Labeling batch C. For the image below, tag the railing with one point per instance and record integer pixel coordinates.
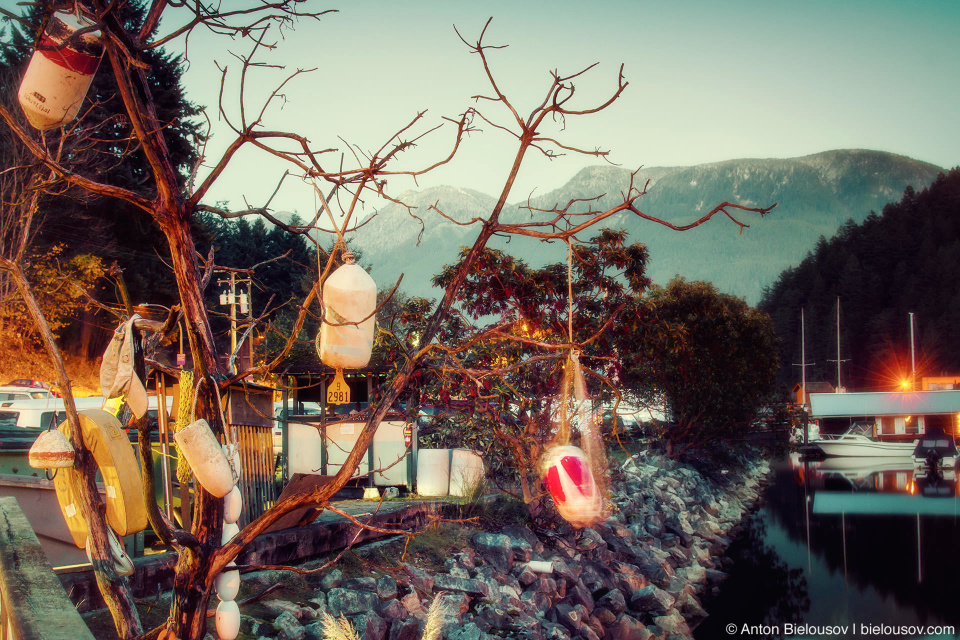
(33, 604)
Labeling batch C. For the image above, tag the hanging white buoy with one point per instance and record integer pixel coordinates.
(227, 583)
(57, 78)
(349, 295)
(228, 620)
(232, 506)
(230, 529)
(51, 450)
(205, 455)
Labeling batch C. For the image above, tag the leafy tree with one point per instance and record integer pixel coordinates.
(708, 356)
(518, 325)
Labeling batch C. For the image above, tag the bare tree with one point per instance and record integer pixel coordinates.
(342, 182)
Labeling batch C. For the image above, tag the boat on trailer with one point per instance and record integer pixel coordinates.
(859, 441)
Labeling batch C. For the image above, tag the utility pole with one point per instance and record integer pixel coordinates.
(234, 300)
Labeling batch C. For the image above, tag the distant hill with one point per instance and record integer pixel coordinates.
(815, 195)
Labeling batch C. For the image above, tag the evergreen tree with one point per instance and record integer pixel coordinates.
(115, 230)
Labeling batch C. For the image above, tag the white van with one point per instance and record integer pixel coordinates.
(41, 414)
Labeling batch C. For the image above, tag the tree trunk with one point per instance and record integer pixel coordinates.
(191, 591)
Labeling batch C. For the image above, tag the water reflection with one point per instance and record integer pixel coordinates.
(845, 542)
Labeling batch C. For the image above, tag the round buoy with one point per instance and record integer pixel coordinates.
(228, 620)
(572, 486)
(232, 505)
(227, 583)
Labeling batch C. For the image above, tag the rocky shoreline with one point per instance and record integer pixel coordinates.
(640, 575)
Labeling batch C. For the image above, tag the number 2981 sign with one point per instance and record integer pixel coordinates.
(338, 392)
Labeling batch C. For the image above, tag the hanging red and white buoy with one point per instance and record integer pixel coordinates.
(349, 296)
(570, 482)
(59, 75)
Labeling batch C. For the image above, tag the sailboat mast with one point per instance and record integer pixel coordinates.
(839, 386)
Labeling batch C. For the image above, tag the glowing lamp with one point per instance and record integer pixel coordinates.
(571, 484)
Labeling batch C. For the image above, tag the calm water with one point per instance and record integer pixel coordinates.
(844, 549)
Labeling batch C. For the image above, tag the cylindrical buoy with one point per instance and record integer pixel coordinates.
(232, 505)
(572, 486)
(227, 583)
(57, 78)
(228, 620)
(202, 450)
(349, 295)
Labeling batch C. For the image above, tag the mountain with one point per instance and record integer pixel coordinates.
(814, 194)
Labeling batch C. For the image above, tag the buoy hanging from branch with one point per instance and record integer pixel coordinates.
(51, 450)
(60, 71)
(572, 486)
(345, 340)
(205, 455)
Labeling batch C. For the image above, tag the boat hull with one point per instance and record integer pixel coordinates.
(865, 448)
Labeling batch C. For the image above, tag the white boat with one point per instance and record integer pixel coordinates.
(859, 441)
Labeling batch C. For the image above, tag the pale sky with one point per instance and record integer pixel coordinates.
(709, 81)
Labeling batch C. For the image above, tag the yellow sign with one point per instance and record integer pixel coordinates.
(338, 392)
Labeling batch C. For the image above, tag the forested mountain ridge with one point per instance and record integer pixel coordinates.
(815, 195)
(903, 261)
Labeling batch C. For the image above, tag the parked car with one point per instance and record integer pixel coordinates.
(33, 384)
(13, 393)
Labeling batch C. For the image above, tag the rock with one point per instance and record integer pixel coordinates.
(627, 628)
(350, 603)
(405, 629)
(566, 615)
(562, 570)
(496, 549)
(260, 580)
(386, 588)
(475, 588)
(605, 616)
(365, 583)
(691, 608)
(419, 578)
(277, 607)
(454, 604)
(469, 631)
(411, 602)
(554, 631)
(392, 610)
(614, 601)
(651, 599)
(524, 533)
(288, 627)
(589, 539)
(673, 623)
(331, 579)
(579, 594)
(370, 626)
